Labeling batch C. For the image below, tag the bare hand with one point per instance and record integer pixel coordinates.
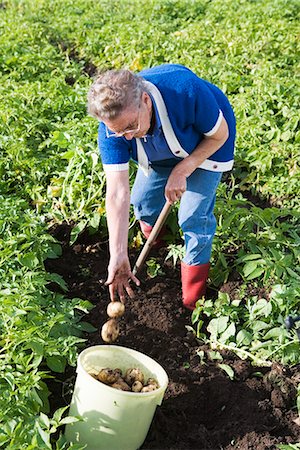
(175, 186)
(119, 276)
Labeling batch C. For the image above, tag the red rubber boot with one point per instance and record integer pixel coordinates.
(193, 279)
(146, 230)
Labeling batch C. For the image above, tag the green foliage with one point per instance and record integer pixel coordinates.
(252, 327)
(47, 55)
(40, 330)
(265, 242)
(289, 446)
(36, 432)
(153, 268)
(228, 370)
(176, 252)
(50, 171)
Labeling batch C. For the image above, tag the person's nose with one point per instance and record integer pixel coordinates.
(129, 136)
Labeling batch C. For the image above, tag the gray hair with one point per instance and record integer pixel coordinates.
(112, 92)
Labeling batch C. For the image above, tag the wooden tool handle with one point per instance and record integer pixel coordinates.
(152, 237)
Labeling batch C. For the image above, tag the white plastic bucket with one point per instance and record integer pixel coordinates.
(114, 419)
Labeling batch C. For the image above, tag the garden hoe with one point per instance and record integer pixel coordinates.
(110, 330)
(152, 237)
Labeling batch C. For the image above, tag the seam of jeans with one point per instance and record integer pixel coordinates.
(204, 241)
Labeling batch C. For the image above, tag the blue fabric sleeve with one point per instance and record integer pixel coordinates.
(113, 150)
(207, 110)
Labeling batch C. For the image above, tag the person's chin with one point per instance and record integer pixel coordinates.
(140, 135)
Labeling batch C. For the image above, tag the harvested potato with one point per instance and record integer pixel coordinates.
(132, 382)
(137, 386)
(121, 385)
(115, 309)
(152, 381)
(149, 388)
(119, 371)
(94, 375)
(108, 376)
(110, 331)
(134, 374)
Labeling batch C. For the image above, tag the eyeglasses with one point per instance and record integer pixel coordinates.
(122, 133)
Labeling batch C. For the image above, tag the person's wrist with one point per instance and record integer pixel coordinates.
(118, 255)
(184, 168)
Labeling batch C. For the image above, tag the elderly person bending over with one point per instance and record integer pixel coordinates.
(180, 129)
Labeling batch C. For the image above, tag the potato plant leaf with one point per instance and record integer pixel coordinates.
(255, 274)
(29, 260)
(77, 230)
(56, 363)
(217, 326)
(229, 332)
(227, 369)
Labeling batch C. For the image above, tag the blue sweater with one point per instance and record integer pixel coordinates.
(194, 107)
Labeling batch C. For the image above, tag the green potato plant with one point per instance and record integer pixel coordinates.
(50, 172)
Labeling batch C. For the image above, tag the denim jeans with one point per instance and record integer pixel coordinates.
(195, 217)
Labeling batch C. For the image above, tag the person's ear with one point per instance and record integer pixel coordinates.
(146, 99)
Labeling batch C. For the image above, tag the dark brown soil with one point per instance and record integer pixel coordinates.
(202, 409)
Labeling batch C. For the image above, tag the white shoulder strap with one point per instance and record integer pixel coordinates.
(171, 138)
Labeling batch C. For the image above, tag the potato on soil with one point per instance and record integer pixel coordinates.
(134, 374)
(115, 309)
(110, 331)
(108, 376)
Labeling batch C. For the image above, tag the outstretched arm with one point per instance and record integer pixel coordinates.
(117, 211)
